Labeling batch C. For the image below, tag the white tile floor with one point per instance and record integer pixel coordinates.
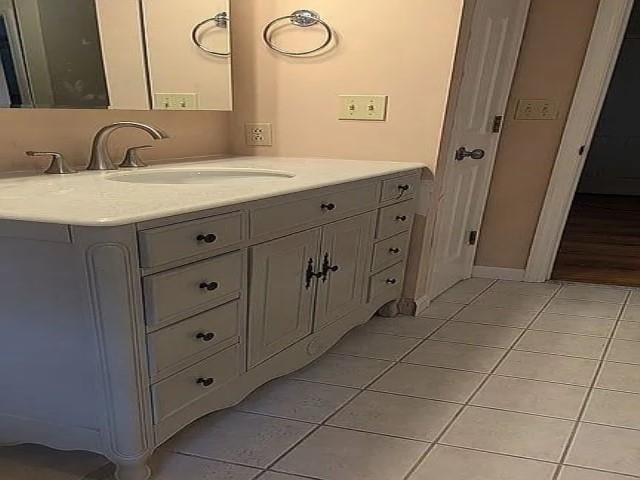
(494, 381)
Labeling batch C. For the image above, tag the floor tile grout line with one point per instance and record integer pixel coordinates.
(363, 389)
(585, 404)
(324, 422)
(453, 420)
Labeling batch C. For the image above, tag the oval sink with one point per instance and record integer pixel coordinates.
(184, 176)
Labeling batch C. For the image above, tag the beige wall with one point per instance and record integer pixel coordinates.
(554, 46)
(176, 65)
(406, 53)
(70, 132)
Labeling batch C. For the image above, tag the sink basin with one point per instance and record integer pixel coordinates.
(200, 176)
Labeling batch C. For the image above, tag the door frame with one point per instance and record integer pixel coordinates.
(600, 61)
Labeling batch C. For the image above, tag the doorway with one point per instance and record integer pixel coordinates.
(600, 243)
(608, 35)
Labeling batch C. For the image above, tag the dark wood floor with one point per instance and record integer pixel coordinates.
(601, 242)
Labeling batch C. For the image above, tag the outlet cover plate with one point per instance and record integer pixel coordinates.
(543, 109)
(364, 107)
(258, 134)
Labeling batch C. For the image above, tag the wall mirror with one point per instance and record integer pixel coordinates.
(116, 54)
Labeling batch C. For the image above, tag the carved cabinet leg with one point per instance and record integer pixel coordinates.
(132, 469)
(389, 310)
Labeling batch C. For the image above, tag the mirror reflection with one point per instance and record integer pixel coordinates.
(122, 54)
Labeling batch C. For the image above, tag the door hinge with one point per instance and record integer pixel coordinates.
(497, 124)
(473, 237)
(582, 149)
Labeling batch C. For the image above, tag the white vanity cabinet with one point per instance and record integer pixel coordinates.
(115, 338)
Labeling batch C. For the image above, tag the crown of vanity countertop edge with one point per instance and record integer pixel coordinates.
(90, 199)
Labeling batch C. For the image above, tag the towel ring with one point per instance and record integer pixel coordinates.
(221, 20)
(299, 18)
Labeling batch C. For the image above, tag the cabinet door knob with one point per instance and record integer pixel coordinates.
(328, 206)
(392, 281)
(205, 382)
(394, 250)
(210, 238)
(403, 188)
(401, 218)
(206, 337)
(210, 287)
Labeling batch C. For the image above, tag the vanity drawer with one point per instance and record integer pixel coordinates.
(201, 379)
(395, 219)
(162, 245)
(387, 284)
(185, 291)
(211, 330)
(400, 188)
(323, 208)
(389, 251)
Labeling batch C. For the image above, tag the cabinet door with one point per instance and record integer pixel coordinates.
(345, 256)
(281, 297)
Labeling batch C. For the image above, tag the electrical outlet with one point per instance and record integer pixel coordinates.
(363, 107)
(537, 110)
(258, 134)
(175, 101)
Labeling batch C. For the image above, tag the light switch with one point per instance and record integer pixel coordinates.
(363, 107)
(175, 101)
(537, 110)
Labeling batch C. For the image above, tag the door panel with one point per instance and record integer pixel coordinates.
(280, 300)
(494, 43)
(346, 248)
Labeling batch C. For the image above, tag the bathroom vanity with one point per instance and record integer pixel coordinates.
(134, 303)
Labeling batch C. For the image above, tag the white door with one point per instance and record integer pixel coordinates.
(494, 45)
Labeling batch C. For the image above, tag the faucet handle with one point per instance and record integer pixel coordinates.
(132, 159)
(58, 166)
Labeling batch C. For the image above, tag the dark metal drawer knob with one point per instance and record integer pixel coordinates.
(401, 218)
(328, 206)
(206, 337)
(210, 287)
(205, 382)
(394, 250)
(403, 188)
(210, 238)
(392, 281)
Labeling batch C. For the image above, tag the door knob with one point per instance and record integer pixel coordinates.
(462, 153)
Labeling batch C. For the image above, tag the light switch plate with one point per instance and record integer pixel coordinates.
(175, 101)
(364, 107)
(544, 109)
(258, 134)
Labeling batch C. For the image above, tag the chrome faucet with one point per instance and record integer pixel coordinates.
(100, 158)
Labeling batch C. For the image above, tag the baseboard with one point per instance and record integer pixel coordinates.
(497, 273)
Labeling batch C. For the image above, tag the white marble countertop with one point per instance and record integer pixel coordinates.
(91, 199)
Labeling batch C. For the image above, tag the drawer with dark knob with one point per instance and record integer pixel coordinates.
(315, 209)
(203, 378)
(159, 246)
(400, 188)
(208, 331)
(395, 219)
(390, 251)
(387, 285)
(176, 294)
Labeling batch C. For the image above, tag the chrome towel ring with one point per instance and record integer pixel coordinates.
(299, 18)
(221, 20)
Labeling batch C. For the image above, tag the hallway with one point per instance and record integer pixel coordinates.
(600, 242)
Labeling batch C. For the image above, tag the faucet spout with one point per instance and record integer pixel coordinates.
(100, 158)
